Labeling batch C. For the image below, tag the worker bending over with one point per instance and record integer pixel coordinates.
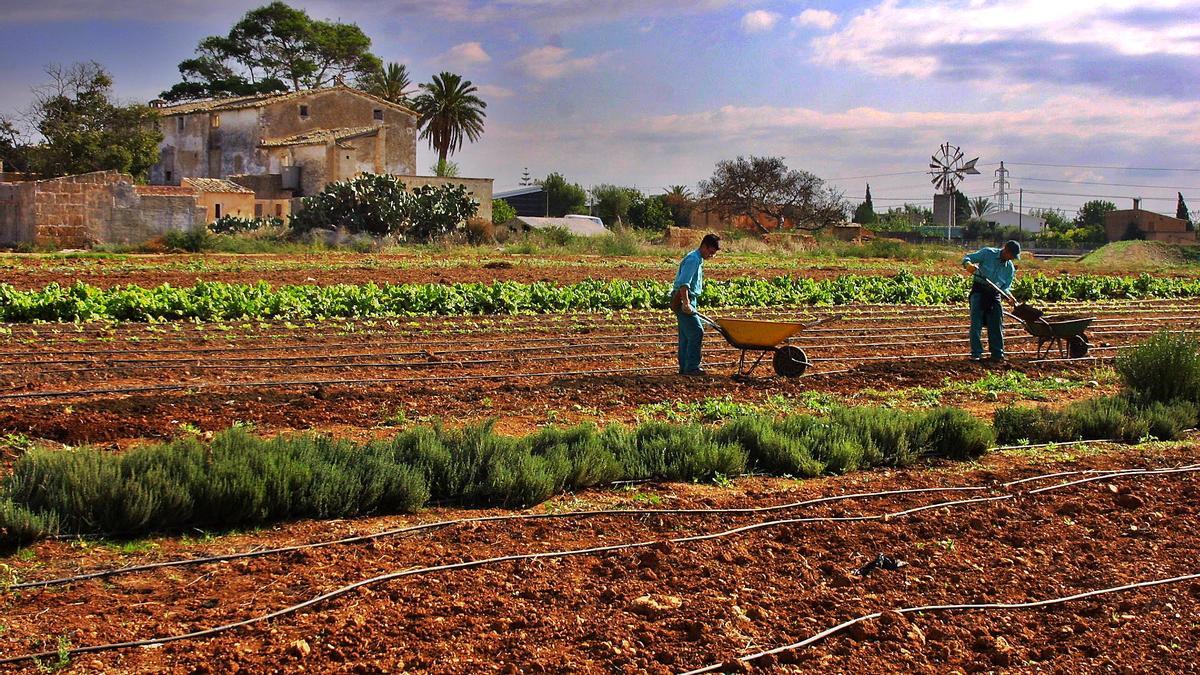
(994, 265)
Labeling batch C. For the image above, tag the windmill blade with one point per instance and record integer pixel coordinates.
(935, 166)
(958, 154)
(934, 161)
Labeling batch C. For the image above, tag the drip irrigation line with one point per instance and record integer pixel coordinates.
(265, 384)
(567, 515)
(484, 562)
(471, 564)
(993, 606)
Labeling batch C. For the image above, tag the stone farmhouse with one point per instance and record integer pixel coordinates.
(304, 139)
(249, 156)
(1136, 223)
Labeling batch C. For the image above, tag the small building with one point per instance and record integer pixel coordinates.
(1138, 224)
(530, 200)
(582, 226)
(221, 197)
(1012, 218)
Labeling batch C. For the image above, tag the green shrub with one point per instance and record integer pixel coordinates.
(502, 212)
(228, 224)
(20, 525)
(192, 240)
(952, 433)
(1164, 368)
(380, 205)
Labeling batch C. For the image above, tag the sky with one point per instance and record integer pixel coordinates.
(1079, 98)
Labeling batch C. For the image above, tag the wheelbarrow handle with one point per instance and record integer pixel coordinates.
(1007, 296)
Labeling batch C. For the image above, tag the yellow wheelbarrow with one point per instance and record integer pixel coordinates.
(767, 337)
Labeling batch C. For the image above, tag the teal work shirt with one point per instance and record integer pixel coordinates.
(991, 267)
(691, 274)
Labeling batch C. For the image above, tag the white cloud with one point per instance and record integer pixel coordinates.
(759, 21)
(491, 91)
(1105, 42)
(1074, 128)
(552, 62)
(465, 55)
(816, 18)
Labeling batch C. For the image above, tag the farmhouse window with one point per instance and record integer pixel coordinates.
(379, 114)
(258, 211)
(216, 121)
(179, 123)
(304, 111)
(279, 210)
(217, 210)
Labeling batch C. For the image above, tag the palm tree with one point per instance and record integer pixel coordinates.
(389, 82)
(450, 111)
(982, 206)
(679, 192)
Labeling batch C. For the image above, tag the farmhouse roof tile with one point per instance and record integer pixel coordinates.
(262, 100)
(319, 136)
(215, 185)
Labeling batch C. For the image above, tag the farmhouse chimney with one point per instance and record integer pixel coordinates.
(1137, 203)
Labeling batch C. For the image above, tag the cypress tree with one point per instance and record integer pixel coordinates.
(1181, 212)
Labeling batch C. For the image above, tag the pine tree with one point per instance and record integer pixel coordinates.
(865, 213)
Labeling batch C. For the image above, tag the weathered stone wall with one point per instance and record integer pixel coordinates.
(480, 189)
(101, 207)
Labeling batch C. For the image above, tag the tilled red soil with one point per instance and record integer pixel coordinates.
(108, 385)
(673, 607)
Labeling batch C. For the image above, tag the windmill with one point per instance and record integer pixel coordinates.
(947, 168)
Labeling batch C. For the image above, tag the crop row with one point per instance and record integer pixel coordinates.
(215, 301)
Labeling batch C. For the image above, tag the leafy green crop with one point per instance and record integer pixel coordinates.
(215, 301)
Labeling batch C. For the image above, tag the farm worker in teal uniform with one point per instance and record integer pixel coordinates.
(688, 286)
(995, 265)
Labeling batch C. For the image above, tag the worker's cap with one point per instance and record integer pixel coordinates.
(1014, 247)
(711, 240)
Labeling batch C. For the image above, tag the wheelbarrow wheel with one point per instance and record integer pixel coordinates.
(1077, 347)
(790, 361)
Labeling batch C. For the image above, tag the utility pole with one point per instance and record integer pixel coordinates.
(1021, 210)
(1001, 185)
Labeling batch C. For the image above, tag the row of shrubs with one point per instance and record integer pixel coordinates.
(241, 479)
(1159, 399)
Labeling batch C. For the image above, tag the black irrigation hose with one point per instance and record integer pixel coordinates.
(469, 564)
(503, 376)
(565, 515)
(1035, 604)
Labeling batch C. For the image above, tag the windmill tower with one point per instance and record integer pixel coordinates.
(525, 179)
(947, 168)
(1001, 185)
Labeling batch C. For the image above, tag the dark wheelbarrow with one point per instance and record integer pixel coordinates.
(765, 337)
(1065, 332)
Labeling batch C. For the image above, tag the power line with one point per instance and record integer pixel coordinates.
(1111, 168)
(1076, 194)
(1088, 182)
(876, 175)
